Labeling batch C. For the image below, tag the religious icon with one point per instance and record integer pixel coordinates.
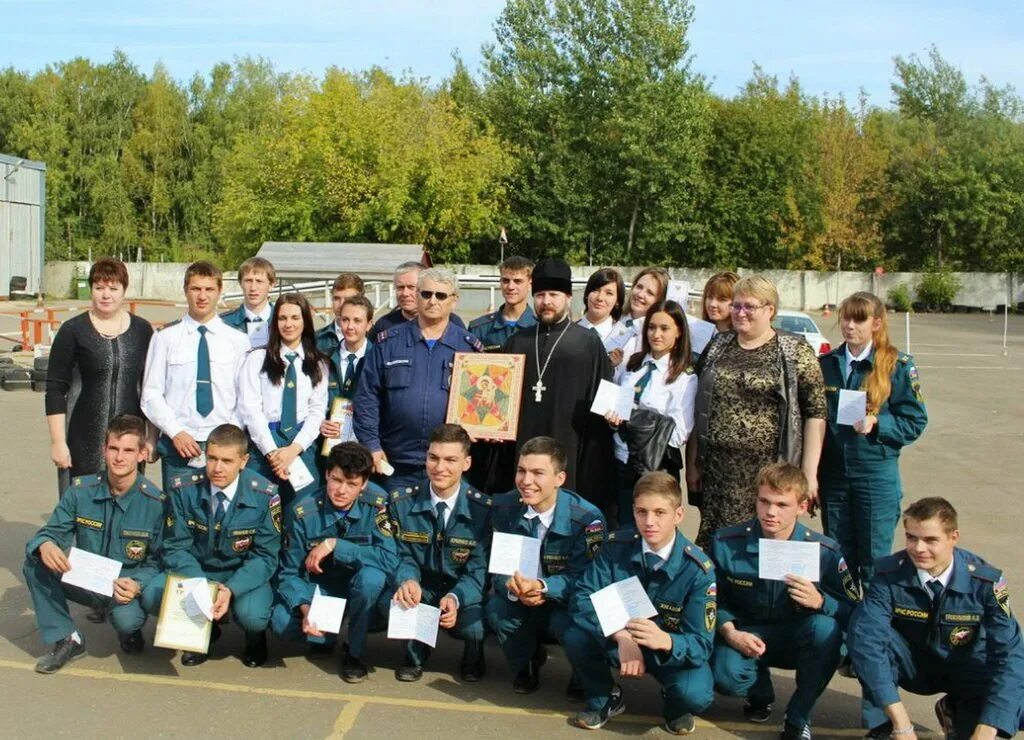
(486, 394)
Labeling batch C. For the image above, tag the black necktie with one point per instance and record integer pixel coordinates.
(533, 526)
(935, 586)
(220, 510)
(651, 562)
(343, 527)
(854, 366)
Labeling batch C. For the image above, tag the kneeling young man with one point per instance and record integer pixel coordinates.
(339, 540)
(117, 514)
(784, 624)
(443, 528)
(673, 646)
(936, 618)
(527, 607)
(225, 526)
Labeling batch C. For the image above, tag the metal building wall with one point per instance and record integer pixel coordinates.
(22, 219)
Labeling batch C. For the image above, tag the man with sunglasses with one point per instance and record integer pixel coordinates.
(405, 283)
(403, 391)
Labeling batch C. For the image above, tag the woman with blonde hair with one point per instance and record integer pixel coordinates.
(717, 298)
(859, 474)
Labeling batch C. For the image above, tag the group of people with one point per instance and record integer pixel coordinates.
(268, 494)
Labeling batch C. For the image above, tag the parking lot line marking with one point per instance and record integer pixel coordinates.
(346, 719)
(331, 696)
(965, 367)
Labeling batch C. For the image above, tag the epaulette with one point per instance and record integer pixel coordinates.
(147, 489)
(481, 320)
(904, 357)
(698, 556)
(169, 324)
(811, 536)
(85, 480)
(385, 334)
(473, 342)
(407, 492)
(623, 536)
(889, 563)
(736, 530)
(482, 499)
(579, 513)
(984, 571)
(188, 479)
(266, 487)
(374, 496)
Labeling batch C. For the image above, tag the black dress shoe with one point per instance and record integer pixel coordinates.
(353, 670)
(473, 665)
(192, 659)
(255, 653)
(527, 680)
(409, 672)
(133, 643)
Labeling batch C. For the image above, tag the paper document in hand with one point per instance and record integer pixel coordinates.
(612, 397)
(513, 552)
(853, 407)
(92, 572)
(198, 600)
(418, 623)
(326, 612)
(701, 333)
(198, 462)
(777, 559)
(620, 602)
(618, 341)
(298, 474)
(182, 626)
(341, 412)
(678, 291)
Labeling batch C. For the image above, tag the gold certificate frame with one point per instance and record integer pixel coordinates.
(487, 390)
(175, 629)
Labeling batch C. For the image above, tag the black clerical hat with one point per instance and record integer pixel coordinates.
(552, 274)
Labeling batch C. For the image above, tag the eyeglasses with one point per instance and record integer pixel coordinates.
(428, 294)
(747, 308)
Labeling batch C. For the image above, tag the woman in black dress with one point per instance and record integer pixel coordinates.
(95, 373)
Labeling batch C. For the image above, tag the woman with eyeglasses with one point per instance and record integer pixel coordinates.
(760, 399)
(859, 473)
(662, 381)
(283, 397)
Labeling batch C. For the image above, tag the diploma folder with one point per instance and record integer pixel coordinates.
(175, 629)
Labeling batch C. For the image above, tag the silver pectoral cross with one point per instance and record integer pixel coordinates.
(538, 390)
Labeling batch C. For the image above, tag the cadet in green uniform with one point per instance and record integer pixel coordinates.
(225, 526)
(785, 624)
(673, 646)
(117, 514)
(443, 528)
(859, 476)
(340, 541)
(492, 329)
(528, 607)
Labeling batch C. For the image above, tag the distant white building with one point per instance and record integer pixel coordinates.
(22, 225)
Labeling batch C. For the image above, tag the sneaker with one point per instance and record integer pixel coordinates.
(757, 711)
(684, 724)
(63, 652)
(590, 719)
(944, 713)
(133, 644)
(881, 732)
(795, 732)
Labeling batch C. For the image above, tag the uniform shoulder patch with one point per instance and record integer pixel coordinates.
(473, 342)
(889, 563)
(736, 530)
(149, 490)
(188, 479)
(984, 571)
(623, 536)
(696, 554)
(480, 499)
(85, 480)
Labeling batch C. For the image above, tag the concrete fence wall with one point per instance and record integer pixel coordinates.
(798, 289)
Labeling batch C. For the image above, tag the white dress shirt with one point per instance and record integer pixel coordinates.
(260, 400)
(850, 359)
(344, 352)
(229, 492)
(263, 315)
(675, 399)
(943, 577)
(545, 518)
(603, 329)
(169, 387)
(449, 502)
(663, 553)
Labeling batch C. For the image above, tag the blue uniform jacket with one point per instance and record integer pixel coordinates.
(128, 528)
(235, 318)
(402, 393)
(572, 542)
(901, 420)
(492, 331)
(395, 317)
(455, 562)
(682, 590)
(247, 544)
(327, 341)
(367, 542)
(746, 599)
(972, 633)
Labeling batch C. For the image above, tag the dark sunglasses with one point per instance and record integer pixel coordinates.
(428, 294)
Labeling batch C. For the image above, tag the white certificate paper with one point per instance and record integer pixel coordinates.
(701, 333)
(198, 599)
(259, 333)
(780, 558)
(176, 629)
(326, 612)
(513, 552)
(198, 462)
(92, 572)
(618, 340)
(678, 291)
(299, 475)
(419, 623)
(853, 407)
(620, 602)
(612, 397)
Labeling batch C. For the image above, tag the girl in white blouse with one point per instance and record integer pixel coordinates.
(662, 381)
(283, 398)
(602, 302)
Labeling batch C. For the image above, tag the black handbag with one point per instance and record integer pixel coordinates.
(646, 435)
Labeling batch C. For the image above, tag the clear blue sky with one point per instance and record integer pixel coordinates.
(832, 46)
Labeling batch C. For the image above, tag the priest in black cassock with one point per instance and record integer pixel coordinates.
(565, 363)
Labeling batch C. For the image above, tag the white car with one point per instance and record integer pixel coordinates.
(801, 323)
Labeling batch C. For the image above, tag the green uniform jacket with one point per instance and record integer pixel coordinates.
(128, 528)
(367, 542)
(247, 543)
(901, 420)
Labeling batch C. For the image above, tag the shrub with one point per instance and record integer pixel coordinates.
(938, 289)
(899, 298)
